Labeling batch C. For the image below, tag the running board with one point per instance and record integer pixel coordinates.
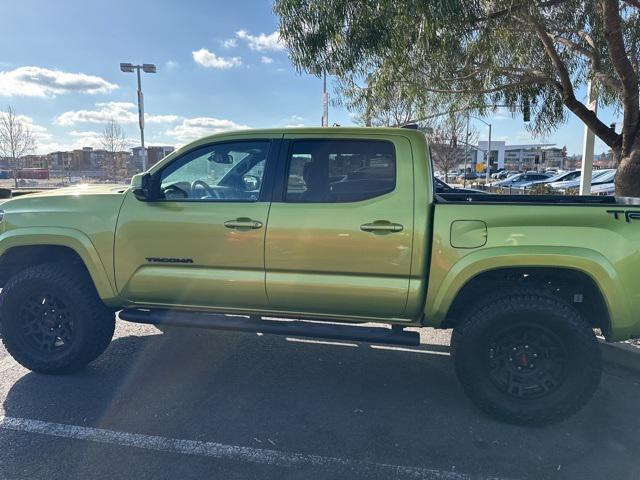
(293, 328)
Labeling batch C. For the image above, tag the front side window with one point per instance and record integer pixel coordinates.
(231, 171)
(330, 171)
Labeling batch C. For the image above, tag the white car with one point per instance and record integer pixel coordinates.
(597, 177)
(561, 177)
(605, 189)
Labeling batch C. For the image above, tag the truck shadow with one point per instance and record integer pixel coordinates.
(389, 405)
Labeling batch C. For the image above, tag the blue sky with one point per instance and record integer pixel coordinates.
(220, 66)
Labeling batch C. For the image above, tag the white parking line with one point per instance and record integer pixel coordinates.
(219, 450)
(412, 350)
(321, 342)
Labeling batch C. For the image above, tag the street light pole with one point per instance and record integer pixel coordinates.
(488, 153)
(141, 121)
(147, 68)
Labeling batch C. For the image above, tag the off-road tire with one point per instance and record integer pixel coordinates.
(538, 314)
(90, 323)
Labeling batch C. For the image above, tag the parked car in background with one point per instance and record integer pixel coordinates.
(496, 175)
(600, 184)
(442, 187)
(561, 177)
(521, 180)
(505, 174)
(595, 178)
(604, 189)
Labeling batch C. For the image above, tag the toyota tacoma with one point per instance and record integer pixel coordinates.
(323, 231)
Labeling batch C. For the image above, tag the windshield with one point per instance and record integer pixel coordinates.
(607, 176)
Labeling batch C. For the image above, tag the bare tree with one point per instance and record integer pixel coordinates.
(113, 141)
(16, 139)
(450, 142)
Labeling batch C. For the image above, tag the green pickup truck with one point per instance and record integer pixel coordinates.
(326, 230)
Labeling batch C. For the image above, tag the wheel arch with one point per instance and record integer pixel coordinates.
(571, 285)
(22, 249)
(585, 271)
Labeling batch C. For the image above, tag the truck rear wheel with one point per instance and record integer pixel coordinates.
(53, 320)
(527, 358)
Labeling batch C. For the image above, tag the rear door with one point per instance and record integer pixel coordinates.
(340, 229)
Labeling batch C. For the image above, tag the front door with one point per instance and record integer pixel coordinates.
(201, 243)
(339, 240)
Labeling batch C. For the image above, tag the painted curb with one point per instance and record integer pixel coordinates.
(621, 354)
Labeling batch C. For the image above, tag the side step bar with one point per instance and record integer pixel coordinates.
(293, 328)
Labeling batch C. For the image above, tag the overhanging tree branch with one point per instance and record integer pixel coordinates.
(565, 87)
(595, 61)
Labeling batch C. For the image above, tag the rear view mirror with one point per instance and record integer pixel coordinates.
(221, 158)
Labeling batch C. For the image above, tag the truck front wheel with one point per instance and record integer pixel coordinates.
(52, 319)
(527, 358)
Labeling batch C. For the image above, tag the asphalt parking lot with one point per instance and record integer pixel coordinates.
(203, 404)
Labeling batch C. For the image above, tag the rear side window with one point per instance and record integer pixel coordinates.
(332, 171)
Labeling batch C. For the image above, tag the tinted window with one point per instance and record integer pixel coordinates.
(340, 171)
(220, 172)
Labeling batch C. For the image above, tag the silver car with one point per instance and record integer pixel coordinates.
(597, 177)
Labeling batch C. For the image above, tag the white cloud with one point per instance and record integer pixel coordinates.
(86, 139)
(122, 112)
(210, 60)
(38, 132)
(266, 60)
(193, 128)
(161, 118)
(42, 82)
(84, 134)
(262, 42)
(230, 43)
(294, 121)
(43, 138)
(171, 64)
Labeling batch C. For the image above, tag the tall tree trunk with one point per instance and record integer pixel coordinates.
(628, 174)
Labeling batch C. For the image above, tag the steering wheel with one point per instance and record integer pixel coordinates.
(201, 183)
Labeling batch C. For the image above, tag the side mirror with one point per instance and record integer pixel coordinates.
(251, 182)
(141, 185)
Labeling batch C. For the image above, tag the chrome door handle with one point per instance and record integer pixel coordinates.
(381, 226)
(245, 223)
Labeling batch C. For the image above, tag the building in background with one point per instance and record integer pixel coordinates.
(521, 157)
(154, 155)
(35, 161)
